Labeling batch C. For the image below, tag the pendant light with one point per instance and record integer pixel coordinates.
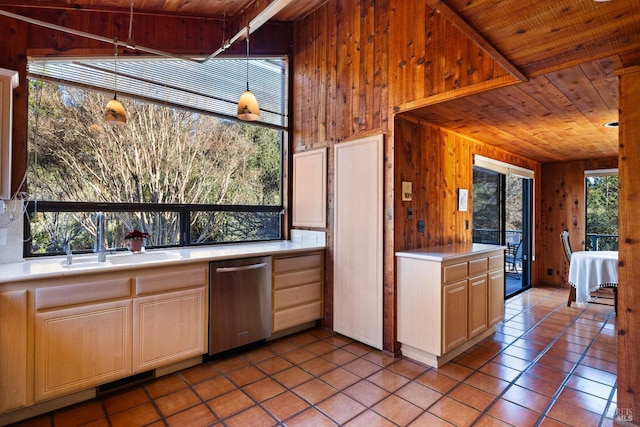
(114, 112)
(248, 108)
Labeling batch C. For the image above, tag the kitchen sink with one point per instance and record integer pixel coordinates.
(86, 262)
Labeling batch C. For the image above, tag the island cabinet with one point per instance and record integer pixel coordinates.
(13, 349)
(297, 285)
(449, 298)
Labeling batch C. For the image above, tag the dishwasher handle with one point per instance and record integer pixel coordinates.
(242, 268)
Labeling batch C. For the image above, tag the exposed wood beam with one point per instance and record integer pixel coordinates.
(445, 10)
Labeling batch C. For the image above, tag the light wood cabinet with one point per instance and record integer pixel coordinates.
(8, 81)
(13, 350)
(81, 340)
(448, 302)
(297, 285)
(169, 326)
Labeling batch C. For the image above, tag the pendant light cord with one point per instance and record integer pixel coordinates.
(248, 32)
(115, 67)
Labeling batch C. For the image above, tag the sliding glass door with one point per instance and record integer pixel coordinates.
(502, 215)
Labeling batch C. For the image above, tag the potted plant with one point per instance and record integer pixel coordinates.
(136, 237)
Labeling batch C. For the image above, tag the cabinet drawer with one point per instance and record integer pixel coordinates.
(455, 272)
(295, 316)
(298, 295)
(477, 266)
(496, 262)
(82, 293)
(298, 262)
(169, 281)
(297, 278)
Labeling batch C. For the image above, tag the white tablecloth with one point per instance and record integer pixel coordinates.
(590, 270)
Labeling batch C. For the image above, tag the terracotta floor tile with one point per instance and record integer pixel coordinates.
(550, 422)
(280, 347)
(339, 356)
(264, 389)
(455, 371)
(338, 340)
(595, 375)
(370, 418)
(379, 358)
(200, 373)
(358, 348)
(469, 361)
(539, 385)
(246, 375)
(300, 339)
(528, 398)
(80, 414)
(603, 365)
(254, 417)
(230, 364)
(572, 415)
(315, 391)
(318, 366)
(427, 419)
(418, 394)
(366, 393)
(521, 353)
(312, 417)
(198, 416)
(135, 416)
(177, 401)
(489, 421)
(554, 362)
(472, 396)
(603, 355)
(230, 404)
(165, 385)
(511, 362)
(341, 408)
(292, 377)
(583, 400)
(500, 371)
(454, 412)
(513, 414)
(115, 403)
(388, 380)
(549, 374)
(320, 347)
(274, 365)
(258, 354)
(285, 405)
(298, 356)
(437, 381)
(213, 388)
(408, 368)
(340, 378)
(362, 367)
(585, 385)
(487, 383)
(397, 410)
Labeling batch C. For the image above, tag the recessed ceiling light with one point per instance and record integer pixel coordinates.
(610, 124)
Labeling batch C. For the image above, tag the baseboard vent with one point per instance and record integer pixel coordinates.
(124, 382)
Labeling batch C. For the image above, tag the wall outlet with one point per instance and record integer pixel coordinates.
(313, 239)
(3, 236)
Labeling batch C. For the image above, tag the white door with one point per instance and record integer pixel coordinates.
(358, 252)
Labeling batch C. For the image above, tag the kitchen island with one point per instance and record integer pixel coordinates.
(449, 298)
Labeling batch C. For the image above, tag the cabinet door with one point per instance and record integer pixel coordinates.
(454, 312)
(477, 305)
(495, 297)
(169, 327)
(80, 347)
(13, 350)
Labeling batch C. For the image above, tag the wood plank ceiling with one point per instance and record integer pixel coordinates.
(565, 51)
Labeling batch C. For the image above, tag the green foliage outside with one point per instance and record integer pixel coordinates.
(162, 155)
(602, 213)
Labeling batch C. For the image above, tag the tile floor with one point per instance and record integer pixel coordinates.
(547, 365)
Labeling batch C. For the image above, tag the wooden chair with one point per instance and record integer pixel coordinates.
(514, 258)
(564, 236)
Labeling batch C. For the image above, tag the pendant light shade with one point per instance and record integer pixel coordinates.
(248, 109)
(114, 113)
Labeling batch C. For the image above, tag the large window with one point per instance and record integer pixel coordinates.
(602, 210)
(185, 175)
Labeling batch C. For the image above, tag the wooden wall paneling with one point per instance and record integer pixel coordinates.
(435, 208)
(628, 322)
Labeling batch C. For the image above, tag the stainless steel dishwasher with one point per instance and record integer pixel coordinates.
(239, 302)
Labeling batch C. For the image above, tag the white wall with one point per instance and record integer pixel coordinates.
(11, 219)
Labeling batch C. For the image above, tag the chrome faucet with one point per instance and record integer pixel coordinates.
(99, 245)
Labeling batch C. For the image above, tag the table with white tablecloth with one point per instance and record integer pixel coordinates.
(591, 270)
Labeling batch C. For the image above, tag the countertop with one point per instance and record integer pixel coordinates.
(442, 253)
(54, 266)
